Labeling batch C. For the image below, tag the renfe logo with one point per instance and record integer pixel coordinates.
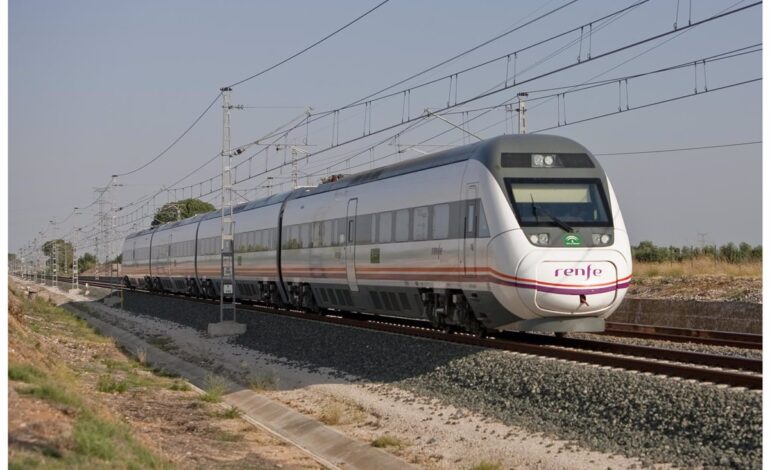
(586, 272)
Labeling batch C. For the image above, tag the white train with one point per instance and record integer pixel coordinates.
(516, 233)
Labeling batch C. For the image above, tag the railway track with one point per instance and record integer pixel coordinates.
(727, 370)
(708, 337)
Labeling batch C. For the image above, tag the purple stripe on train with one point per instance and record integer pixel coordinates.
(571, 291)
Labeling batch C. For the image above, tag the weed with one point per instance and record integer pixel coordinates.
(215, 386)
(23, 462)
(94, 437)
(263, 381)
(50, 392)
(331, 414)
(162, 342)
(230, 413)
(180, 386)
(107, 384)
(485, 465)
(226, 436)
(24, 372)
(387, 441)
(141, 355)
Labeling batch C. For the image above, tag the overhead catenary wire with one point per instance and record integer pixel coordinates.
(680, 149)
(278, 64)
(471, 100)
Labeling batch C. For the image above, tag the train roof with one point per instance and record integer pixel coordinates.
(486, 151)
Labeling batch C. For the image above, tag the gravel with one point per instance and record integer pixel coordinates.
(654, 418)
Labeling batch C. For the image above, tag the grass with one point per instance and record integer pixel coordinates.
(51, 392)
(230, 413)
(388, 441)
(331, 414)
(162, 342)
(697, 267)
(263, 381)
(180, 386)
(24, 372)
(107, 384)
(215, 387)
(485, 465)
(226, 436)
(95, 441)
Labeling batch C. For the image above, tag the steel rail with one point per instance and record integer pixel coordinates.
(661, 361)
(685, 335)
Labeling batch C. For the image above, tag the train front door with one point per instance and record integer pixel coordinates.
(350, 244)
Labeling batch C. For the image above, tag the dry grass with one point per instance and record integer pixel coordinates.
(697, 267)
(388, 441)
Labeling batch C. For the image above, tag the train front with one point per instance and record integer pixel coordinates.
(565, 264)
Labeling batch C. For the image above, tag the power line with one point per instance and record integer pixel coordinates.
(681, 149)
(176, 140)
(308, 47)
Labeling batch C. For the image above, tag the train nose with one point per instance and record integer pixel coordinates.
(572, 287)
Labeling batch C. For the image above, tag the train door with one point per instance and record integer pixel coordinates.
(350, 244)
(470, 218)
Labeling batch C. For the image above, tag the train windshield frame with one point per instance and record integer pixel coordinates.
(578, 202)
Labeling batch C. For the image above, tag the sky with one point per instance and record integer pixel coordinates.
(98, 88)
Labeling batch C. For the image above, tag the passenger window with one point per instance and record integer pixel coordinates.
(420, 226)
(341, 228)
(363, 229)
(386, 223)
(402, 225)
(316, 240)
(304, 235)
(440, 221)
(326, 233)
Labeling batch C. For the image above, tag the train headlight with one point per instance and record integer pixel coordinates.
(539, 238)
(539, 160)
(605, 239)
(600, 239)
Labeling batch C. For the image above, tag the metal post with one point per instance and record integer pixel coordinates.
(522, 110)
(75, 280)
(55, 257)
(227, 274)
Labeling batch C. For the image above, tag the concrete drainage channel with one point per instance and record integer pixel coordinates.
(327, 446)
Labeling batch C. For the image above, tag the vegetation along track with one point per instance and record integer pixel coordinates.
(733, 371)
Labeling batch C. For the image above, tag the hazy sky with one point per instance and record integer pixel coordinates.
(100, 87)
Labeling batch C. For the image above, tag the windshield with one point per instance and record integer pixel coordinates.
(545, 202)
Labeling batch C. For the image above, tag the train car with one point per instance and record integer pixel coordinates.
(513, 233)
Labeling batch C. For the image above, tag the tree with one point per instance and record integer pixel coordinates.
(86, 262)
(179, 210)
(64, 252)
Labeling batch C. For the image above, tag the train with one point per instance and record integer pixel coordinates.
(514, 233)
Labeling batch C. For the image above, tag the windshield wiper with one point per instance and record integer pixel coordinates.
(560, 223)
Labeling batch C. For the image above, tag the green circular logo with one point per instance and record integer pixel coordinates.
(572, 239)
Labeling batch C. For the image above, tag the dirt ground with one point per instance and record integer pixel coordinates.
(76, 400)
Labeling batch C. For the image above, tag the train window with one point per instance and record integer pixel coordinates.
(483, 227)
(470, 219)
(402, 225)
(316, 239)
(440, 223)
(559, 201)
(341, 228)
(364, 228)
(326, 233)
(304, 235)
(385, 234)
(420, 224)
